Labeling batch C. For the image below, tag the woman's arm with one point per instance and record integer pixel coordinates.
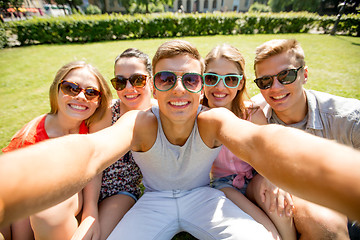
(91, 191)
(91, 194)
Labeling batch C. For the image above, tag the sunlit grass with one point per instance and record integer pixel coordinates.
(26, 72)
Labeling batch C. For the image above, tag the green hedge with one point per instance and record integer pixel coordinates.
(79, 28)
(3, 36)
(349, 24)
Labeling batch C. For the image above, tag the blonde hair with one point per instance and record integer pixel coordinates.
(174, 48)
(231, 54)
(104, 100)
(278, 46)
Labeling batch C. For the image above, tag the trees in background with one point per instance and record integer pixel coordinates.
(259, 7)
(92, 10)
(15, 4)
(5, 4)
(126, 4)
(145, 6)
(329, 7)
(294, 5)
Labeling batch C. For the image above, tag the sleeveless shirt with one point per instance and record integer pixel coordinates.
(167, 167)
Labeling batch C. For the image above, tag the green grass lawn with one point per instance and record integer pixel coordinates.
(26, 72)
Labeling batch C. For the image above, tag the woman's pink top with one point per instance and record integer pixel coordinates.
(227, 164)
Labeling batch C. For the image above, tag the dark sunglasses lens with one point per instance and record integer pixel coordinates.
(70, 89)
(287, 76)
(91, 93)
(138, 80)
(118, 83)
(163, 81)
(192, 82)
(210, 80)
(264, 82)
(232, 81)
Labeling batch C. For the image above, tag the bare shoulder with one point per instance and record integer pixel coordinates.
(104, 122)
(214, 114)
(139, 117)
(146, 115)
(210, 121)
(145, 130)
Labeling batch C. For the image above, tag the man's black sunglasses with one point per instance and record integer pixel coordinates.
(284, 77)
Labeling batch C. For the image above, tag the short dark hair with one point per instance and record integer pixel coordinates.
(133, 52)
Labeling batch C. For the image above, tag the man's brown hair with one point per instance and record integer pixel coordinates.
(279, 46)
(174, 48)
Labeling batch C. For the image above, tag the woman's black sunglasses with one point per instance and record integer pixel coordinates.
(136, 80)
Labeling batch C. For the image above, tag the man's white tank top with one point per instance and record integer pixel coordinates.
(167, 167)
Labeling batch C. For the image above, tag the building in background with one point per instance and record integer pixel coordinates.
(39, 7)
(189, 6)
(27, 9)
(38, 4)
(56, 10)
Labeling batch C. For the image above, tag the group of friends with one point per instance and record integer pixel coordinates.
(214, 162)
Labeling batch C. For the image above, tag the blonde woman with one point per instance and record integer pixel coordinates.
(79, 96)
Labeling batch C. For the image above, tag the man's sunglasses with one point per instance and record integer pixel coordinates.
(230, 81)
(166, 80)
(73, 89)
(136, 80)
(284, 77)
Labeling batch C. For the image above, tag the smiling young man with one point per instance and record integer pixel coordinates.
(280, 74)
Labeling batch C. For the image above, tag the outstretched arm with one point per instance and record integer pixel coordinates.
(310, 167)
(37, 177)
